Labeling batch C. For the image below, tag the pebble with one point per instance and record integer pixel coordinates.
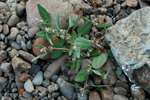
(46, 83)
(142, 3)
(19, 39)
(65, 88)
(3, 55)
(121, 84)
(13, 52)
(23, 45)
(34, 69)
(97, 80)
(117, 8)
(27, 95)
(13, 20)
(94, 95)
(120, 97)
(24, 76)
(38, 79)
(6, 67)
(27, 56)
(5, 29)
(14, 32)
(29, 45)
(14, 95)
(82, 97)
(137, 92)
(19, 64)
(54, 78)
(21, 24)
(132, 3)
(15, 45)
(4, 19)
(28, 86)
(3, 6)
(120, 90)
(55, 94)
(3, 81)
(52, 87)
(33, 31)
(6, 98)
(2, 36)
(108, 3)
(1, 28)
(20, 9)
(54, 67)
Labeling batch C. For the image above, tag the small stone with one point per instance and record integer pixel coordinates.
(14, 32)
(20, 85)
(6, 67)
(121, 84)
(82, 97)
(19, 64)
(34, 69)
(15, 45)
(28, 86)
(54, 78)
(97, 80)
(4, 19)
(19, 39)
(23, 45)
(13, 20)
(52, 87)
(14, 95)
(27, 56)
(20, 9)
(27, 95)
(46, 83)
(29, 45)
(120, 90)
(108, 3)
(84, 64)
(24, 76)
(20, 25)
(120, 97)
(11, 4)
(117, 8)
(94, 95)
(38, 79)
(55, 94)
(33, 31)
(132, 3)
(137, 92)
(6, 98)
(1, 28)
(5, 29)
(3, 55)
(13, 53)
(3, 81)
(65, 88)
(3, 6)
(143, 3)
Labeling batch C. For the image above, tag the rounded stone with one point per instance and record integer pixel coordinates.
(29, 45)
(120, 90)
(132, 3)
(94, 95)
(14, 33)
(38, 79)
(15, 45)
(5, 29)
(33, 31)
(23, 45)
(13, 20)
(52, 87)
(24, 76)
(120, 97)
(19, 39)
(3, 6)
(28, 86)
(6, 67)
(20, 9)
(43, 42)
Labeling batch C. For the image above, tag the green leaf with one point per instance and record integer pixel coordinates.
(40, 46)
(77, 53)
(119, 71)
(73, 65)
(110, 53)
(99, 61)
(70, 52)
(44, 14)
(59, 43)
(99, 72)
(86, 19)
(43, 26)
(74, 36)
(56, 54)
(95, 53)
(84, 29)
(40, 56)
(49, 39)
(103, 25)
(71, 23)
(78, 64)
(76, 22)
(57, 22)
(69, 64)
(75, 86)
(81, 76)
(42, 34)
(82, 43)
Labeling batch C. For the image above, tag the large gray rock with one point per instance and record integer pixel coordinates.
(53, 7)
(129, 41)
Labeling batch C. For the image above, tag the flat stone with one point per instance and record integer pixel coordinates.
(27, 95)
(120, 90)
(27, 56)
(3, 81)
(5, 29)
(28, 86)
(54, 67)
(129, 42)
(24, 76)
(19, 64)
(13, 20)
(132, 3)
(53, 7)
(65, 88)
(38, 79)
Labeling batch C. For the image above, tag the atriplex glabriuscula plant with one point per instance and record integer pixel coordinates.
(71, 41)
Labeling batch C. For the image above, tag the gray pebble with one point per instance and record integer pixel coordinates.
(27, 95)
(52, 87)
(29, 45)
(6, 67)
(34, 69)
(14, 95)
(15, 45)
(13, 20)
(20, 9)
(120, 97)
(23, 45)
(45, 98)
(2, 36)
(4, 19)
(6, 40)
(6, 98)
(117, 8)
(1, 28)
(55, 94)
(13, 34)
(46, 83)
(3, 81)
(21, 24)
(82, 97)
(19, 39)
(3, 6)
(3, 55)
(33, 31)
(54, 78)
(5, 29)
(120, 90)
(38, 79)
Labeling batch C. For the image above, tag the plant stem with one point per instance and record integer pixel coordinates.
(86, 81)
(61, 49)
(93, 32)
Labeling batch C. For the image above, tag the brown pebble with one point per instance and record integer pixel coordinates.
(94, 95)
(24, 76)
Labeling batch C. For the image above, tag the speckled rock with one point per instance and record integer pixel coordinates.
(19, 64)
(94, 95)
(137, 92)
(129, 42)
(53, 7)
(132, 3)
(6, 67)
(27, 56)
(52, 87)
